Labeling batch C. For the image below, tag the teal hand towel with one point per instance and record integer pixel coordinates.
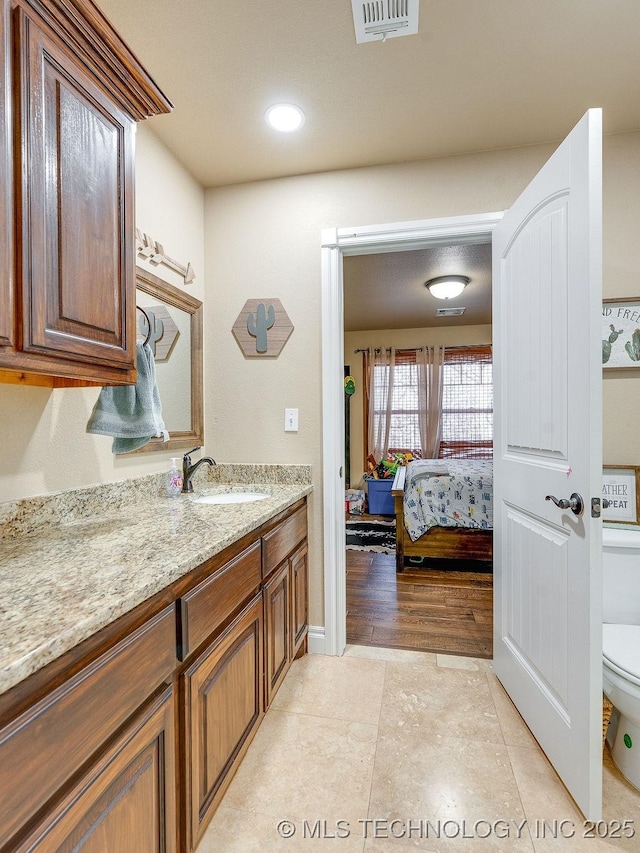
(132, 414)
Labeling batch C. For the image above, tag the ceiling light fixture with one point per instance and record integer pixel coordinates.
(284, 117)
(447, 286)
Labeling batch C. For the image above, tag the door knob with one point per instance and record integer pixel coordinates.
(574, 503)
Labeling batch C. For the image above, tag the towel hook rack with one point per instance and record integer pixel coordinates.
(146, 340)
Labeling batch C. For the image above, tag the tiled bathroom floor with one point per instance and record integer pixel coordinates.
(384, 750)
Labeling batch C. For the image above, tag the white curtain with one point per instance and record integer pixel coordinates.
(430, 369)
(379, 367)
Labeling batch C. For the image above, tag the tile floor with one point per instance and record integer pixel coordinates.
(421, 743)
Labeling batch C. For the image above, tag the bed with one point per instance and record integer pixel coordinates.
(444, 509)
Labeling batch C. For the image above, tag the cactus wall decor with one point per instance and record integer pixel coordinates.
(607, 344)
(164, 332)
(621, 333)
(633, 346)
(262, 328)
(258, 325)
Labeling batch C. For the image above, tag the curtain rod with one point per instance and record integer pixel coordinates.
(419, 349)
(388, 349)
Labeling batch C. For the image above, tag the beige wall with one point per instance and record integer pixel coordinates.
(43, 443)
(450, 336)
(621, 273)
(263, 240)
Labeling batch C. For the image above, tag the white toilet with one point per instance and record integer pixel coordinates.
(621, 646)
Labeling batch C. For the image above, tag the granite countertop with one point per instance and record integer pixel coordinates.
(72, 563)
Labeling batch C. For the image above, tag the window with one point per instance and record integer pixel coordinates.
(404, 434)
(467, 403)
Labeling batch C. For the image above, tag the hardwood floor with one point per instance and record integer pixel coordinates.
(427, 609)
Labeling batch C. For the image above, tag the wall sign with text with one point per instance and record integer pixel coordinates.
(621, 332)
(620, 486)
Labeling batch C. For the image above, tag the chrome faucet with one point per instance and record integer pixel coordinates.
(188, 470)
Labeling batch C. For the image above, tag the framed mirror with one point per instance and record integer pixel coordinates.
(172, 321)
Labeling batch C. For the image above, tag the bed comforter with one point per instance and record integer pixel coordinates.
(448, 493)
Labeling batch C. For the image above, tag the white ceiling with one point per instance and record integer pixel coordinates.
(479, 75)
(388, 291)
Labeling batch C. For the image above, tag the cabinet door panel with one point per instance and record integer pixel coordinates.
(7, 325)
(83, 146)
(76, 208)
(224, 707)
(126, 802)
(299, 598)
(277, 627)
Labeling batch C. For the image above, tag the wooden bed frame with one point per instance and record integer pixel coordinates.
(452, 543)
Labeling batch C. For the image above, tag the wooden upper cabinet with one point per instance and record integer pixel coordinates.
(76, 208)
(7, 312)
(77, 92)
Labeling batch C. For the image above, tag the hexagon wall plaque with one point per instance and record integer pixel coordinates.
(262, 329)
(164, 332)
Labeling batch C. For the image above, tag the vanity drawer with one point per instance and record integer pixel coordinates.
(283, 539)
(46, 745)
(208, 604)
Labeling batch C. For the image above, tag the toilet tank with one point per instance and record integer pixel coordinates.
(621, 576)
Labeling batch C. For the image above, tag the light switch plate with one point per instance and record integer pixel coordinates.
(291, 420)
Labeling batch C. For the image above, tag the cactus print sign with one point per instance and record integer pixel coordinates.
(621, 333)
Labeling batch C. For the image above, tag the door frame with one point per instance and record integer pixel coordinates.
(336, 244)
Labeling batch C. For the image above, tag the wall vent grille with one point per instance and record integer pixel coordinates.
(376, 20)
(449, 312)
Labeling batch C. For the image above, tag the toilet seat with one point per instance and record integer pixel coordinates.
(621, 650)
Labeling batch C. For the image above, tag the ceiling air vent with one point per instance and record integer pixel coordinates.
(449, 312)
(377, 20)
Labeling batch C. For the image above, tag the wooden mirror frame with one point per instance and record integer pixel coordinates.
(167, 293)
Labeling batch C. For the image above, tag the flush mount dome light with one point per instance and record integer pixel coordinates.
(284, 117)
(447, 286)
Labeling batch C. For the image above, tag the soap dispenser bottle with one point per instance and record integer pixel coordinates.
(174, 478)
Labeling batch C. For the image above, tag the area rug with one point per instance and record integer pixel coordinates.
(377, 535)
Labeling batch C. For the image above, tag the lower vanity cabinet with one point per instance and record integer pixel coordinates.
(90, 766)
(299, 599)
(128, 745)
(126, 801)
(226, 686)
(277, 629)
(224, 705)
(285, 591)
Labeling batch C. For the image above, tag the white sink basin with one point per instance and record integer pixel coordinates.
(231, 498)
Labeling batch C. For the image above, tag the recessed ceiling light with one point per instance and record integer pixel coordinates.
(284, 117)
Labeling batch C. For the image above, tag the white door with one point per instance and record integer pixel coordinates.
(548, 441)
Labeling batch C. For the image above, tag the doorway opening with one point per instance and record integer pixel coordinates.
(336, 245)
(432, 603)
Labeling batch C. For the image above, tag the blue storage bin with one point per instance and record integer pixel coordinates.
(380, 497)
